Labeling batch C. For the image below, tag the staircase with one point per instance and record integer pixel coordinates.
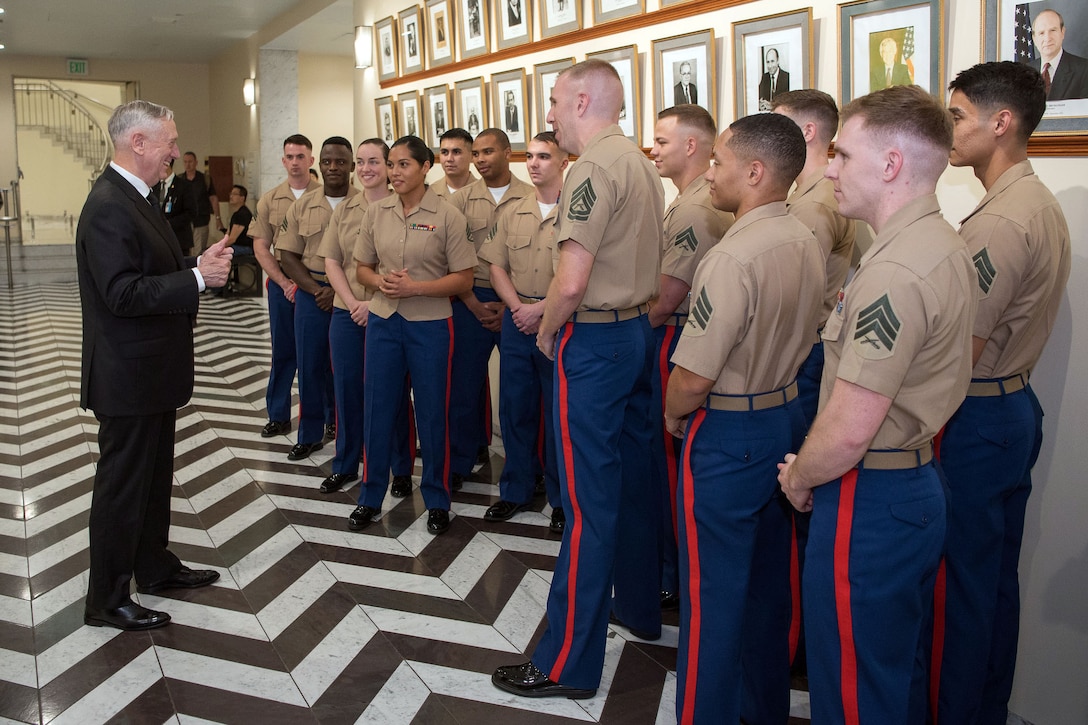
(57, 114)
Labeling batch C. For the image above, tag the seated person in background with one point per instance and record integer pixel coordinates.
(240, 217)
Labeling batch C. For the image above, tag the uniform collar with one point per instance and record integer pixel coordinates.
(1012, 174)
(767, 211)
(801, 190)
(613, 130)
(698, 184)
(923, 206)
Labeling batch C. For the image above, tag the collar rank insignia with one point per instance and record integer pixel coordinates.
(687, 241)
(877, 329)
(699, 317)
(582, 200)
(985, 270)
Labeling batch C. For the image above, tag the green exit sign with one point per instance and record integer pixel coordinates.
(77, 67)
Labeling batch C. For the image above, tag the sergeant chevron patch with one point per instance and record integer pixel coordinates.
(582, 200)
(877, 329)
(699, 317)
(687, 241)
(987, 273)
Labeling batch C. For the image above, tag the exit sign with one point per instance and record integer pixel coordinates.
(77, 67)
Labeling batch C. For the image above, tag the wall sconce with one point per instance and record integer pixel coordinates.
(364, 46)
(249, 91)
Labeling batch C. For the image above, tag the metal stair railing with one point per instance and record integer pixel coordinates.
(47, 107)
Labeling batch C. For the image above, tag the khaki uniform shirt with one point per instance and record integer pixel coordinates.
(338, 244)
(612, 204)
(305, 225)
(442, 189)
(1019, 241)
(271, 210)
(478, 205)
(814, 204)
(692, 227)
(903, 325)
(430, 243)
(755, 297)
(523, 244)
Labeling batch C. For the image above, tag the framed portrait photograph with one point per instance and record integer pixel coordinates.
(605, 10)
(473, 30)
(411, 40)
(891, 43)
(411, 121)
(684, 72)
(1032, 32)
(544, 76)
(772, 55)
(385, 113)
(625, 61)
(387, 48)
(513, 22)
(470, 102)
(510, 106)
(559, 16)
(439, 33)
(436, 105)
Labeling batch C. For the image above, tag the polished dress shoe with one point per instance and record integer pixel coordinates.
(438, 520)
(402, 486)
(504, 510)
(303, 450)
(362, 517)
(559, 521)
(670, 600)
(456, 481)
(130, 617)
(184, 578)
(528, 681)
(337, 481)
(275, 428)
(330, 431)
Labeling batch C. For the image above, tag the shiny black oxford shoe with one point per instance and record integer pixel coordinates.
(130, 617)
(528, 681)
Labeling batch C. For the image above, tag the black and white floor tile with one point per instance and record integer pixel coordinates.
(310, 622)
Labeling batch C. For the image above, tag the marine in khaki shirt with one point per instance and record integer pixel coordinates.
(741, 332)
(813, 202)
(430, 242)
(1019, 241)
(522, 244)
(692, 226)
(455, 158)
(304, 227)
(339, 241)
(607, 202)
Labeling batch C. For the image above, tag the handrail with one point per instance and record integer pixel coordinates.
(57, 112)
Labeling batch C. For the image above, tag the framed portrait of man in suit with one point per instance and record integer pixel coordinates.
(1048, 35)
(891, 42)
(684, 72)
(559, 16)
(513, 22)
(411, 121)
(387, 48)
(544, 77)
(439, 33)
(411, 40)
(772, 55)
(470, 102)
(473, 30)
(625, 61)
(385, 113)
(509, 106)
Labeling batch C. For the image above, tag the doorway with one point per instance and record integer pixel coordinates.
(62, 146)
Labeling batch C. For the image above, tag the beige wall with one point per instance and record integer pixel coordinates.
(325, 97)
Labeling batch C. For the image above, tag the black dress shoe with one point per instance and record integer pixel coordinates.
(337, 481)
(402, 486)
(438, 520)
(503, 510)
(456, 481)
(275, 428)
(670, 600)
(648, 636)
(483, 455)
(559, 521)
(528, 681)
(303, 450)
(184, 578)
(362, 517)
(129, 617)
(330, 432)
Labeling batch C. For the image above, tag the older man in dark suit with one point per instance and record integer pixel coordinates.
(1065, 76)
(139, 298)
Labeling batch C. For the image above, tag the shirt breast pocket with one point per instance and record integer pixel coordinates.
(833, 327)
(478, 227)
(517, 248)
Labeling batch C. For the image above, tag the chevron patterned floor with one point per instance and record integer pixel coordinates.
(310, 622)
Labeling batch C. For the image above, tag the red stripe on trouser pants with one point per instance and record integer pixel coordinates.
(691, 540)
(848, 656)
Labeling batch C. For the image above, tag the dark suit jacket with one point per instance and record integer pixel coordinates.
(512, 118)
(678, 93)
(900, 76)
(782, 86)
(512, 19)
(178, 206)
(139, 297)
(1070, 80)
